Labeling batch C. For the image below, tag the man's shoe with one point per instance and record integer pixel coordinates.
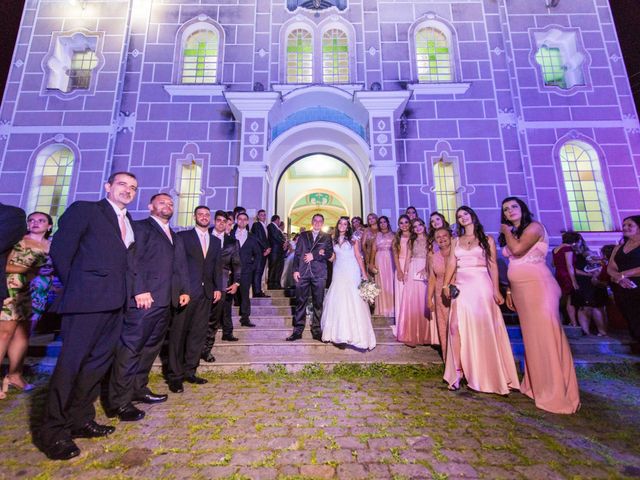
(176, 387)
(62, 450)
(229, 338)
(151, 398)
(317, 336)
(293, 337)
(261, 295)
(247, 323)
(196, 380)
(208, 358)
(92, 430)
(129, 413)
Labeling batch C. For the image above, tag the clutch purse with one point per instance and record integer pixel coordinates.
(454, 291)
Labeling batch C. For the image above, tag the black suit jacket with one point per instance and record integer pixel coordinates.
(159, 267)
(201, 270)
(13, 226)
(250, 253)
(91, 259)
(259, 232)
(305, 244)
(276, 240)
(229, 261)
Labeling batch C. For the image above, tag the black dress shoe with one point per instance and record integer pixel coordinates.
(92, 430)
(317, 337)
(196, 380)
(208, 358)
(247, 323)
(151, 398)
(62, 450)
(176, 387)
(229, 338)
(129, 413)
(261, 295)
(293, 337)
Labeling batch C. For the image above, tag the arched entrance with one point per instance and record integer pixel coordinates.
(317, 183)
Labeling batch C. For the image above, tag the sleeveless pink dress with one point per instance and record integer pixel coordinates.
(440, 315)
(386, 274)
(478, 343)
(549, 374)
(412, 319)
(398, 287)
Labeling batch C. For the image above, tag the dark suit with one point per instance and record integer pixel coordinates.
(313, 278)
(276, 257)
(250, 254)
(231, 267)
(260, 233)
(159, 267)
(189, 325)
(92, 263)
(13, 226)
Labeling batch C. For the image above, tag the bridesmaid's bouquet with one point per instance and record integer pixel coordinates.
(368, 291)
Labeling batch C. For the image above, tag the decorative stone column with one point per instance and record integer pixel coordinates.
(383, 108)
(251, 110)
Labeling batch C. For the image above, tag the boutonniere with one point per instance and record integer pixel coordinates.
(321, 252)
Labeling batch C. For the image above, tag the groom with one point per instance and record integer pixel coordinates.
(313, 251)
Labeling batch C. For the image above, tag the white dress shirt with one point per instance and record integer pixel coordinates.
(122, 212)
(204, 237)
(241, 235)
(165, 227)
(220, 236)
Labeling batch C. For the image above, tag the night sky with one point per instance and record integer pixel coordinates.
(626, 14)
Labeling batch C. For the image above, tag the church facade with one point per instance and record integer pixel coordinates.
(434, 104)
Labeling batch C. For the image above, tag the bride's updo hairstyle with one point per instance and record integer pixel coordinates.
(347, 234)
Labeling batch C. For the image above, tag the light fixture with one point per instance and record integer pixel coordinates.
(551, 3)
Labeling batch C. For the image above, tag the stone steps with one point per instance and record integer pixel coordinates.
(271, 321)
(268, 334)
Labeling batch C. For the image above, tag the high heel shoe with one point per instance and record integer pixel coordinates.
(6, 383)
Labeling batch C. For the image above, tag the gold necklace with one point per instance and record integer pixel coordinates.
(470, 241)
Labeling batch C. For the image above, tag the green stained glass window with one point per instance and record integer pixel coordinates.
(552, 64)
(446, 189)
(189, 194)
(299, 57)
(335, 57)
(433, 56)
(585, 190)
(80, 72)
(55, 181)
(200, 60)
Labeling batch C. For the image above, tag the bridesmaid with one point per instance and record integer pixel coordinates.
(383, 269)
(479, 348)
(549, 375)
(436, 221)
(400, 261)
(438, 305)
(412, 320)
(369, 239)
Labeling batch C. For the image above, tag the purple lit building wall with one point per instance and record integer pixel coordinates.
(496, 121)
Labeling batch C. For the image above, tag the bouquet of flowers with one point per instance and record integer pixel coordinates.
(368, 291)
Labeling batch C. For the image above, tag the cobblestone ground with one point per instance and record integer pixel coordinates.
(355, 422)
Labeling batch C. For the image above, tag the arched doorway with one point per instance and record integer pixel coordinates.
(317, 183)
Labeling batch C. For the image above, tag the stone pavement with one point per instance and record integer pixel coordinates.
(375, 421)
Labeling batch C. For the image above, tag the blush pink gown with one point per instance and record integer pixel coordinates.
(412, 320)
(549, 374)
(398, 286)
(386, 274)
(478, 343)
(440, 315)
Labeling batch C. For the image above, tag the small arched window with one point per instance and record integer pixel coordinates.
(52, 180)
(446, 189)
(433, 55)
(335, 56)
(299, 56)
(584, 186)
(552, 65)
(200, 58)
(189, 190)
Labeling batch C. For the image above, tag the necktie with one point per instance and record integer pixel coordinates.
(203, 241)
(123, 227)
(167, 231)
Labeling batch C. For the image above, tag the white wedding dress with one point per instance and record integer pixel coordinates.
(345, 316)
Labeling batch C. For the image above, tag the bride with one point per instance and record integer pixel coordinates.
(346, 318)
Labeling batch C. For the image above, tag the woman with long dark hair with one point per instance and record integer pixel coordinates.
(549, 374)
(401, 260)
(383, 268)
(478, 344)
(436, 222)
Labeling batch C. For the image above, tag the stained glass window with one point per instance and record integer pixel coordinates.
(552, 64)
(433, 56)
(299, 56)
(200, 62)
(585, 190)
(80, 72)
(335, 57)
(189, 193)
(446, 187)
(54, 183)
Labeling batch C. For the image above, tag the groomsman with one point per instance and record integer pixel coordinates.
(259, 230)
(276, 257)
(13, 226)
(189, 325)
(250, 254)
(160, 281)
(90, 252)
(229, 264)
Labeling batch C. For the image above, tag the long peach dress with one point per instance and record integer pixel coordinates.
(549, 374)
(386, 274)
(440, 314)
(478, 342)
(412, 320)
(398, 286)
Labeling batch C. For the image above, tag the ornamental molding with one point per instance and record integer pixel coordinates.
(213, 90)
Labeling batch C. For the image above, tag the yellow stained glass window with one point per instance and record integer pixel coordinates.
(200, 59)
(189, 194)
(446, 189)
(299, 56)
(80, 72)
(53, 191)
(433, 56)
(335, 57)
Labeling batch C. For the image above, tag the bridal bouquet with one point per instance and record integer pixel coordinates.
(368, 291)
